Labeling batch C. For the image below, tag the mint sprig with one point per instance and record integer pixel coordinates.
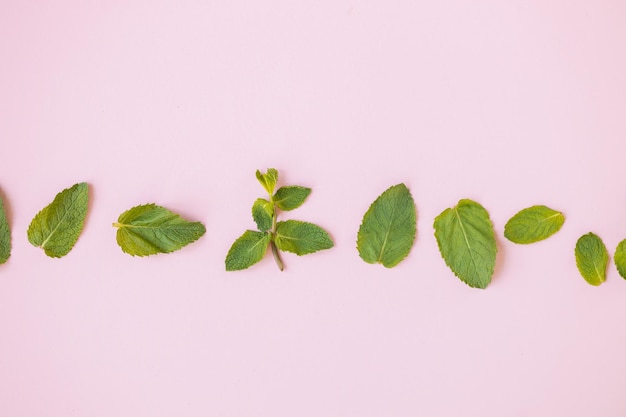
(292, 236)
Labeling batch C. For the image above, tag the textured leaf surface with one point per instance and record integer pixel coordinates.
(247, 250)
(301, 238)
(292, 197)
(592, 258)
(57, 226)
(150, 229)
(5, 235)
(268, 180)
(388, 229)
(620, 258)
(533, 224)
(467, 242)
(262, 212)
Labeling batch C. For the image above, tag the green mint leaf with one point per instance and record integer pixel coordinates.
(620, 258)
(5, 235)
(247, 250)
(533, 224)
(150, 229)
(467, 242)
(292, 197)
(388, 229)
(262, 212)
(268, 180)
(57, 226)
(592, 258)
(301, 238)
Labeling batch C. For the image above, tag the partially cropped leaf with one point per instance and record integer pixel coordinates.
(467, 242)
(533, 224)
(5, 235)
(57, 226)
(301, 238)
(620, 258)
(262, 212)
(247, 250)
(592, 258)
(292, 197)
(388, 229)
(268, 180)
(150, 229)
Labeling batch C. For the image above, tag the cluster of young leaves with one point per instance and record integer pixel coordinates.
(292, 236)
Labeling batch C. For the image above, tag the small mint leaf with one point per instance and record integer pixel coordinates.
(150, 229)
(57, 226)
(301, 238)
(620, 258)
(533, 224)
(292, 197)
(5, 235)
(268, 180)
(262, 212)
(592, 258)
(247, 250)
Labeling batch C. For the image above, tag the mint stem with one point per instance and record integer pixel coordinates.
(279, 261)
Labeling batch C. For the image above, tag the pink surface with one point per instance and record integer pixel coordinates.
(511, 103)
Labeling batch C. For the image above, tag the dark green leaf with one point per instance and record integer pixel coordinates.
(5, 235)
(533, 224)
(247, 250)
(292, 197)
(262, 212)
(301, 238)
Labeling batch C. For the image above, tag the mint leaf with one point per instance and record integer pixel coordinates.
(247, 250)
(150, 229)
(388, 229)
(592, 258)
(262, 212)
(5, 235)
(301, 238)
(533, 224)
(57, 226)
(467, 242)
(292, 197)
(620, 258)
(268, 180)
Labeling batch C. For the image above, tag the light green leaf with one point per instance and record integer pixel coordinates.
(533, 224)
(150, 229)
(301, 238)
(268, 180)
(262, 212)
(388, 229)
(292, 197)
(467, 242)
(57, 226)
(247, 250)
(592, 258)
(620, 258)
(5, 235)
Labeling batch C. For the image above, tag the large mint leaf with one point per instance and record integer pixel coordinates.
(262, 212)
(247, 250)
(291, 197)
(268, 180)
(592, 258)
(150, 229)
(5, 235)
(620, 258)
(388, 229)
(301, 238)
(533, 224)
(57, 226)
(467, 242)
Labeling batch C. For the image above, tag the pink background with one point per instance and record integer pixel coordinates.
(511, 103)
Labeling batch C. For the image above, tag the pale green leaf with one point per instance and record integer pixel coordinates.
(57, 226)
(620, 258)
(262, 212)
(533, 224)
(150, 229)
(247, 250)
(388, 229)
(268, 180)
(291, 197)
(467, 242)
(301, 238)
(5, 235)
(592, 258)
